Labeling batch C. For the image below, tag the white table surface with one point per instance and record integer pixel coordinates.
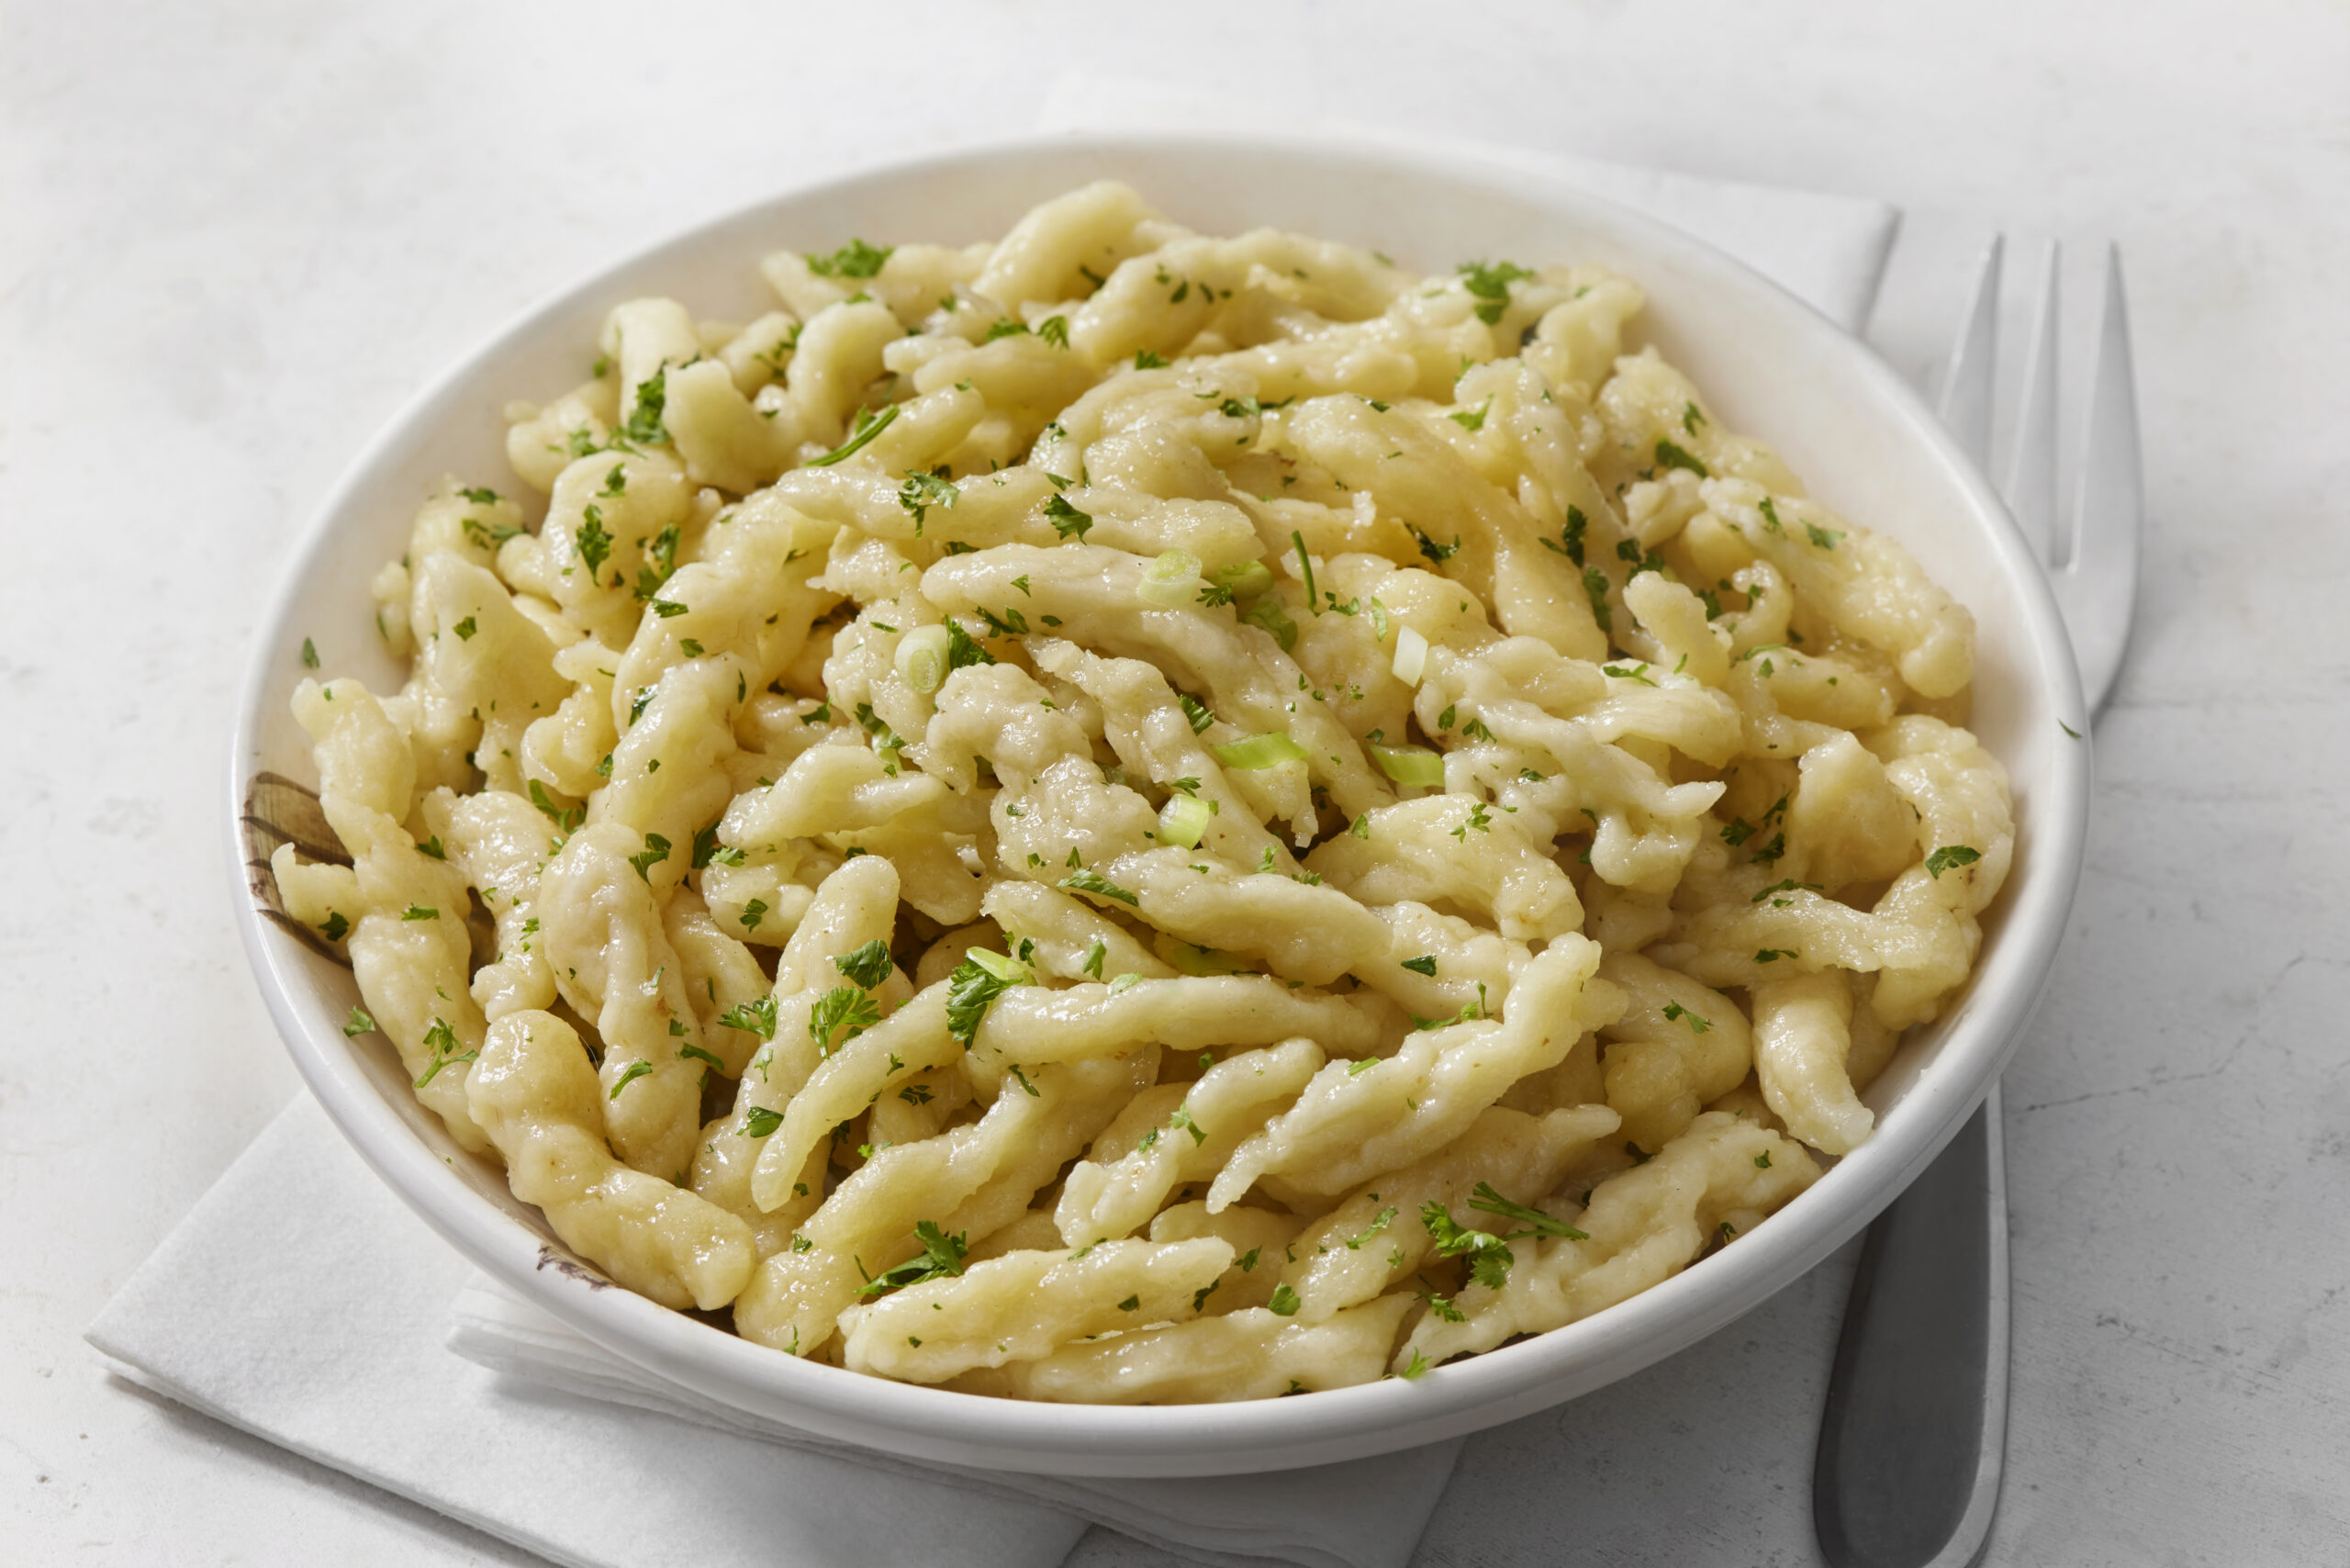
(234, 238)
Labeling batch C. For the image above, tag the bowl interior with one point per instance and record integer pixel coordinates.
(1862, 441)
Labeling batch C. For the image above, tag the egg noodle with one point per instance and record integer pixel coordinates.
(1124, 816)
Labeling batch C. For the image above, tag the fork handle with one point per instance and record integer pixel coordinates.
(1915, 1432)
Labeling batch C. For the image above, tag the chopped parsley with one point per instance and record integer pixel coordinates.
(662, 565)
(565, 821)
(855, 259)
(758, 1017)
(593, 543)
(656, 850)
(1067, 521)
(963, 649)
(633, 1072)
(1443, 1307)
(1773, 955)
(1671, 456)
(941, 1257)
(488, 536)
(1489, 1255)
(1698, 1025)
(1285, 1303)
(1487, 1201)
(1490, 285)
(1092, 881)
(1436, 554)
(1630, 550)
(868, 966)
(643, 425)
(443, 1042)
(924, 490)
(973, 987)
(1950, 856)
(1470, 418)
(1595, 587)
(868, 427)
(707, 849)
(1305, 564)
(885, 739)
(1571, 535)
(844, 1011)
(1469, 1010)
(1424, 965)
(1268, 614)
(358, 1024)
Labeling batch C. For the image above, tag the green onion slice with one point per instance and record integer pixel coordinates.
(1172, 582)
(1264, 751)
(1184, 819)
(1410, 764)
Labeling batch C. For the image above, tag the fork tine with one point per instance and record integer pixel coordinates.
(1973, 373)
(2097, 586)
(2032, 469)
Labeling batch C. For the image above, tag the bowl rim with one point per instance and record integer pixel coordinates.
(1460, 1396)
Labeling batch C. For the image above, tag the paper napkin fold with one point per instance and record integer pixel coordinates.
(303, 1303)
(1357, 1515)
(1829, 251)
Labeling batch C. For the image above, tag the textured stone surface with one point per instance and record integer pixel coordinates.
(239, 236)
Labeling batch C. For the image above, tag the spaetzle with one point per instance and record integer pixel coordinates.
(1128, 816)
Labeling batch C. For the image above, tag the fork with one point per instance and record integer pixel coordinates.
(1914, 1436)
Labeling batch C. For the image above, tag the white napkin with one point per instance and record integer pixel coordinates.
(1337, 1516)
(1829, 251)
(303, 1303)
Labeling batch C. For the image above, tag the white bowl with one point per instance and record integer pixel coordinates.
(1859, 436)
